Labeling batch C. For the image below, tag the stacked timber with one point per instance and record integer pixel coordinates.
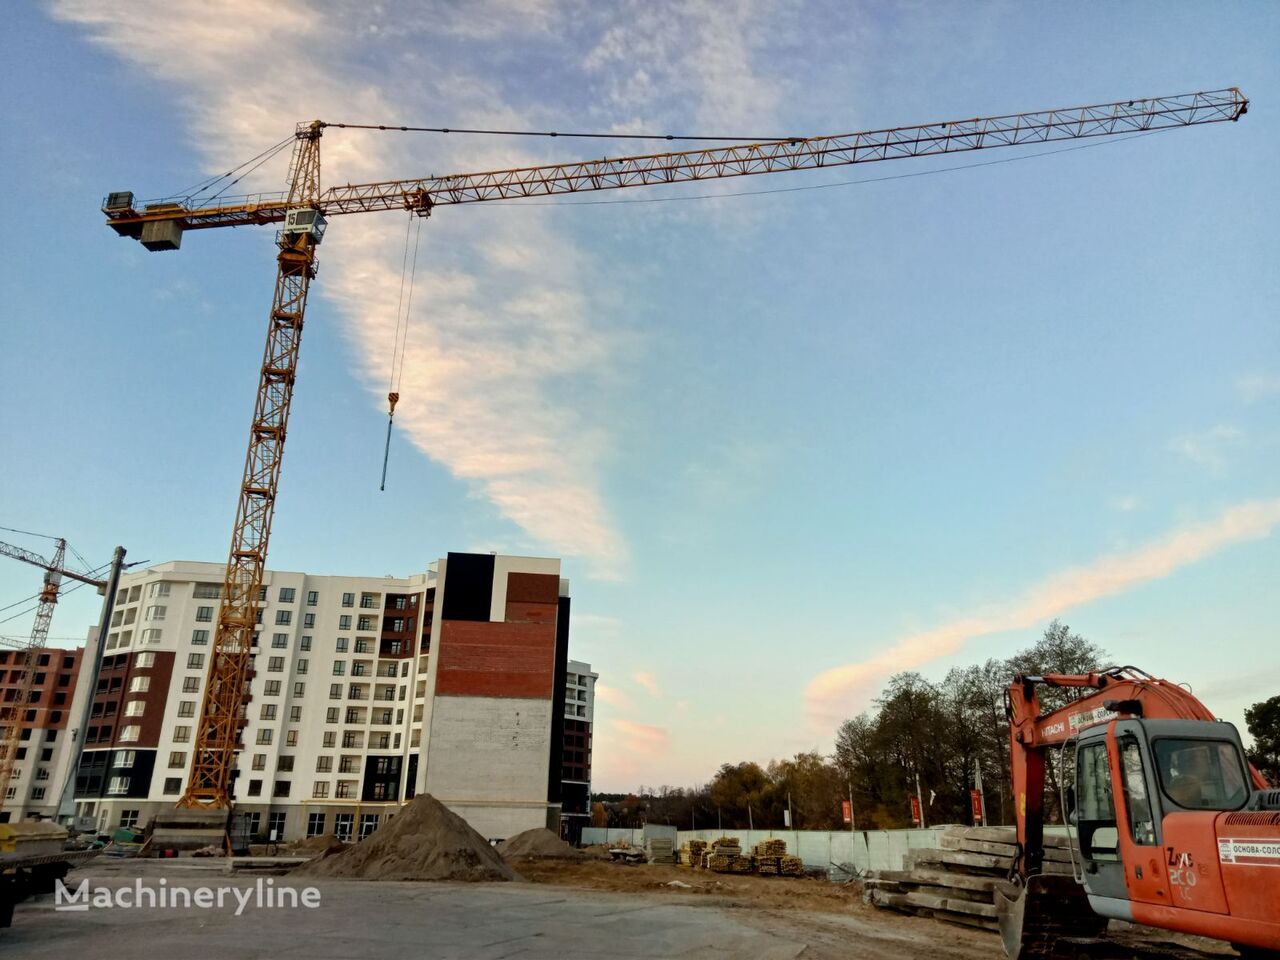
(728, 863)
(770, 848)
(790, 867)
(691, 853)
(768, 866)
(957, 881)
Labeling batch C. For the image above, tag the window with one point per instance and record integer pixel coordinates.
(291, 737)
(281, 789)
(351, 740)
(324, 764)
(151, 635)
(271, 688)
(118, 786)
(279, 640)
(275, 665)
(284, 764)
(156, 612)
(369, 601)
(341, 644)
(362, 645)
(315, 821)
(124, 759)
(262, 595)
(37, 793)
(190, 684)
(139, 684)
(335, 691)
(268, 712)
(295, 716)
(259, 761)
(344, 622)
(348, 599)
(284, 618)
(172, 785)
(181, 734)
(339, 668)
(130, 734)
(1201, 774)
(299, 689)
(199, 637)
(329, 738)
(141, 661)
(331, 715)
(264, 736)
(159, 589)
(302, 665)
(344, 789)
(365, 623)
(207, 591)
(1142, 827)
(178, 758)
(358, 669)
(195, 661)
(354, 715)
(368, 824)
(308, 619)
(313, 597)
(255, 788)
(1096, 808)
(187, 708)
(204, 614)
(305, 643)
(342, 825)
(287, 594)
(349, 764)
(128, 818)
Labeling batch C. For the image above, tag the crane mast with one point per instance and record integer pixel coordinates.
(14, 713)
(303, 209)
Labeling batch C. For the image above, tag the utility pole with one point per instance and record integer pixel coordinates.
(852, 825)
(67, 802)
(750, 824)
(791, 821)
(920, 801)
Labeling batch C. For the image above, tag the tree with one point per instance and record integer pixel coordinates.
(1058, 651)
(1263, 721)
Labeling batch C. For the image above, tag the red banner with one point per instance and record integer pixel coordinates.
(847, 808)
(975, 800)
(915, 810)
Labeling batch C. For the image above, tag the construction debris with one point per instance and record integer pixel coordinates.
(424, 841)
(660, 850)
(957, 881)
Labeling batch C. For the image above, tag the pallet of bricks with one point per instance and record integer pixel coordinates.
(725, 856)
(660, 850)
(690, 854)
(957, 881)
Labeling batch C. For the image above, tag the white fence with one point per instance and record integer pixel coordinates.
(861, 849)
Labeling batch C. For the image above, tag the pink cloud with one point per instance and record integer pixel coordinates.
(641, 738)
(836, 693)
(646, 680)
(612, 696)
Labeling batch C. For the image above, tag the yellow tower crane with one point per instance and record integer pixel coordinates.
(303, 211)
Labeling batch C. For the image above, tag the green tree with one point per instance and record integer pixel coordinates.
(1058, 651)
(1263, 721)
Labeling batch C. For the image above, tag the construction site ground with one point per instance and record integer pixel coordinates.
(567, 909)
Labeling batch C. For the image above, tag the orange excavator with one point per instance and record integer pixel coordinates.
(1170, 825)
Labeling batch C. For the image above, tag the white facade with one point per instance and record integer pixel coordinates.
(329, 703)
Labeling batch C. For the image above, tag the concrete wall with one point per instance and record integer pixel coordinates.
(863, 849)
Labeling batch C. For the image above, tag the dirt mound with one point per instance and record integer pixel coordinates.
(597, 851)
(538, 842)
(322, 843)
(424, 841)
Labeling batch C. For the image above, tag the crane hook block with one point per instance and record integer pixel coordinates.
(392, 400)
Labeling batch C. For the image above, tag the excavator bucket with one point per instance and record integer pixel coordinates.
(1034, 916)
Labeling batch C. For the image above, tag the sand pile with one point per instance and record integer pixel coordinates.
(424, 841)
(320, 844)
(538, 842)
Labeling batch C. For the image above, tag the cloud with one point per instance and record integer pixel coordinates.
(837, 693)
(1253, 387)
(1127, 503)
(640, 739)
(647, 681)
(1208, 448)
(612, 696)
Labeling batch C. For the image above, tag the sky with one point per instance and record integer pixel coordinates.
(786, 443)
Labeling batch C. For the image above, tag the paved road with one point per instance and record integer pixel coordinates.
(374, 920)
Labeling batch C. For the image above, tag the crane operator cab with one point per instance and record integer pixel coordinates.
(1163, 811)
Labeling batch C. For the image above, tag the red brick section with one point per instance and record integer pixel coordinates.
(484, 659)
(533, 588)
(56, 672)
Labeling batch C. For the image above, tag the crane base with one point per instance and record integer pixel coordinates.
(183, 829)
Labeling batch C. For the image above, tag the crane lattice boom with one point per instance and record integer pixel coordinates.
(303, 209)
